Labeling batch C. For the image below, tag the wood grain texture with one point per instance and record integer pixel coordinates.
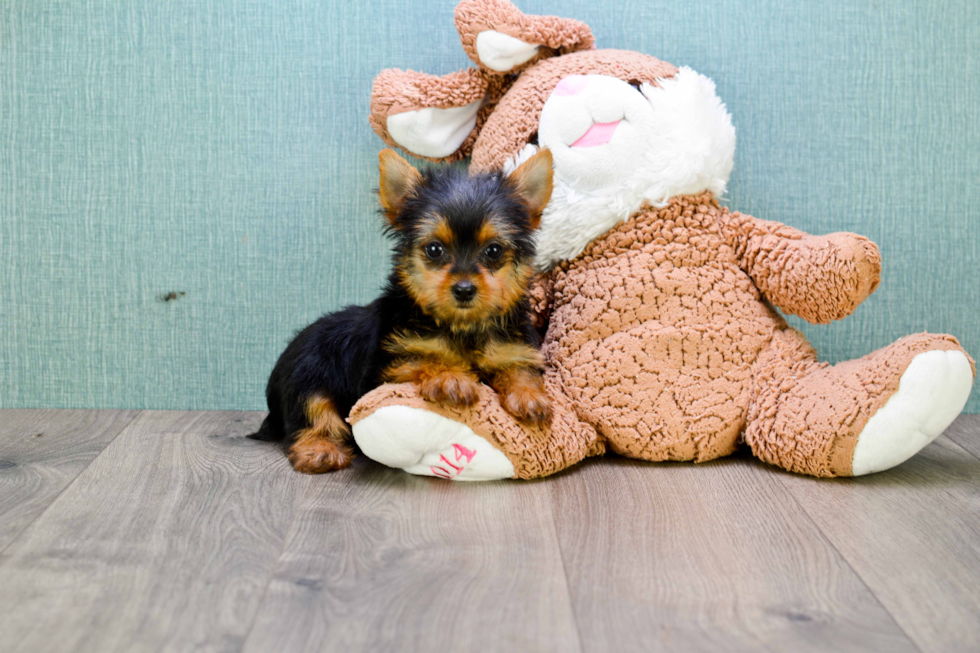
(183, 535)
(165, 542)
(913, 536)
(383, 561)
(711, 557)
(965, 431)
(41, 453)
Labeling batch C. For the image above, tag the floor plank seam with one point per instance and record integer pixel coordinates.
(71, 483)
(850, 566)
(564, 569)
(963, 447)
(975, 456)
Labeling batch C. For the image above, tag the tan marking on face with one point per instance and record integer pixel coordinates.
(508, 284)
(488, 233)
(442, 232)
(424, 283)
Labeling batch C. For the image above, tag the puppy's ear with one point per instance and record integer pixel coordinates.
(533, 180)
(398, 181)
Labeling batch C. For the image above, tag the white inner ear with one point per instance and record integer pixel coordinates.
(431, 132)
(501, 52)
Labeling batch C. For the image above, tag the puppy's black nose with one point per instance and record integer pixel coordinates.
(464, 291)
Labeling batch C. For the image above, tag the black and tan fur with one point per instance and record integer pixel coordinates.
(453, 313)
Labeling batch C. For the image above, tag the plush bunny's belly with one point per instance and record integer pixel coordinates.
(655, 331)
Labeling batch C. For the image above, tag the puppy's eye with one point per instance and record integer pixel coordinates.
(434, 250)
(493, 251)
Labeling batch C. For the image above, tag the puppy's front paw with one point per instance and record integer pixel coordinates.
(450, 388)
(528, 404)
(317, 456)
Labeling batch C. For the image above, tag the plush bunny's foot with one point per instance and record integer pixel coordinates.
(422, 442)
(859, 416)
(932, 391)
(396, 426)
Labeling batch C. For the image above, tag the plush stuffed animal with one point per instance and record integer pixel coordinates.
(656, 303)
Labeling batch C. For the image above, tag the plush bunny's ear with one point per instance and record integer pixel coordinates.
(501, 39)
(438, 118)
(429, 116)
(500, 52)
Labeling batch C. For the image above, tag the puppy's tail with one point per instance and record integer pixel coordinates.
(270, 430)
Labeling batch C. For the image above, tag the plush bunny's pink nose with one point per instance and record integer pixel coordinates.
(571, 85)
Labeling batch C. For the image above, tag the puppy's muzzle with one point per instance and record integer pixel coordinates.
(464, 291)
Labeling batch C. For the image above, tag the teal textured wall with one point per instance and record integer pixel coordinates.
(220, 148)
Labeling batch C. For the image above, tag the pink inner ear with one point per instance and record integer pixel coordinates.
(599, 134)
(571, 85)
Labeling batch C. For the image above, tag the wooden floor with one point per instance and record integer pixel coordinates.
(147, 531)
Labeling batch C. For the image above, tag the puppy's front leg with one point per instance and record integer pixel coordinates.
(443, 375)
(522, 394)
(442, 382)
(515, 373)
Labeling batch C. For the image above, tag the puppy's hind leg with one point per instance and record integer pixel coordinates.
(323, 446)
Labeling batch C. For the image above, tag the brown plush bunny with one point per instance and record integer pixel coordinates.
(661, 340)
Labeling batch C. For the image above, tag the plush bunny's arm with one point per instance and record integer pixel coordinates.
(819, 278)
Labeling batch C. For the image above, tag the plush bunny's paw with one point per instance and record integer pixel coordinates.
(932, 391)
(421, 442)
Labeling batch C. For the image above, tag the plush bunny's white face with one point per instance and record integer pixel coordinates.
(616, 146)
(594, 126)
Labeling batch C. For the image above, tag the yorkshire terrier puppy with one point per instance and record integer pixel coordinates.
(454, 311)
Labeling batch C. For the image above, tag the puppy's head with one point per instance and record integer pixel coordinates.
(464, 244)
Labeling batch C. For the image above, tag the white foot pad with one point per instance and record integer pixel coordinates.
(931, 393)
(424, 443)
